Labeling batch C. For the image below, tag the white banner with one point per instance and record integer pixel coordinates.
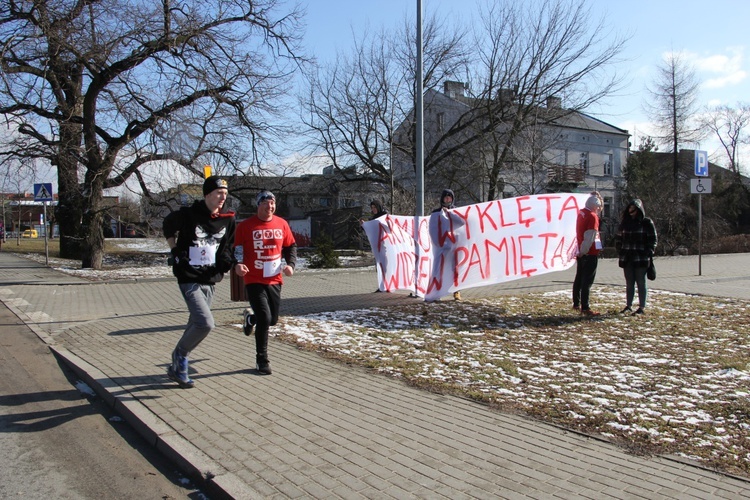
(475, 245)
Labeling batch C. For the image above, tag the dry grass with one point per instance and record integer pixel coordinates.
(32, 245)
(673, 381)
(117, 254)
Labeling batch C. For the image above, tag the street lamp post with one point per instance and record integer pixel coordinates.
(419, 115)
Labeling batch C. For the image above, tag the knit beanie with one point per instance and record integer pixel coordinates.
(213, 183)
(593, 203)
(263, 196)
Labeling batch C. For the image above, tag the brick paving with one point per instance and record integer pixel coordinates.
(318, 428)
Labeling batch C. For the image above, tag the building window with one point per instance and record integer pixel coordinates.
(326, 202)
(608, 164)
(607, 208)
(584, 162)
(441, 122)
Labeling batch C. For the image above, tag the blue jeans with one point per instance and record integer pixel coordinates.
(201, 321)
(635, 275)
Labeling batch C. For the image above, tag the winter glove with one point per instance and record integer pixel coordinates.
(178, 257)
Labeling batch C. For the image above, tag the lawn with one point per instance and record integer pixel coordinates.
(674, 381)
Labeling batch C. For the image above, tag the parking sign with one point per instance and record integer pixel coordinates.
(701, 163)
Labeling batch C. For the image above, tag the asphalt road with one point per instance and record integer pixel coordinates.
(57, 443)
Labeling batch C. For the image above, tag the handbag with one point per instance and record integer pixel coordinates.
(651, 270)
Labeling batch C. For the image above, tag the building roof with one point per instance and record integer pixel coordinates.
(583, 121)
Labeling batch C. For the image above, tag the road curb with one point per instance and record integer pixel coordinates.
(187, 457)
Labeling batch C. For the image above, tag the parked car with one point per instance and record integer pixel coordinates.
(129, 232)
(30, 233)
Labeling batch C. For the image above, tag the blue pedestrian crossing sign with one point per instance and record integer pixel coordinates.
(43, 192)
(701, 163)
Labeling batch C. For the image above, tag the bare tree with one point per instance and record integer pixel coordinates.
(498, 127)
(672, 107)
(15, 176)
(730, 126)
(101, 89)
(532, 58)
(352, 107)
(528, 57)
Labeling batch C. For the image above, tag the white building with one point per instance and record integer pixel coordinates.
(553, 149)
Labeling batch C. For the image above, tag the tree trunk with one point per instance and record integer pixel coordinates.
(69, 201)
(93, 243)
(93, 247)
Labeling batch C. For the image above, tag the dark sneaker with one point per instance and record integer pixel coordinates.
(626, 310)
(263, 367)
(589, 312)
(248, 321)
(178, 370)
(179, 363)
(638, 311)
(182, 379)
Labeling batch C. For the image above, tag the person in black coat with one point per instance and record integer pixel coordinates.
(201, 240)
(636, 243)
(376, 210)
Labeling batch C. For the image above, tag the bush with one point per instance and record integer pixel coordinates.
(738, 243)
(325, 256)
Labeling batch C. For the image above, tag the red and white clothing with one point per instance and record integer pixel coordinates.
(264, 243)
(587, 232)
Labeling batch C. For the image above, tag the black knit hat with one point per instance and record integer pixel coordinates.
(213, 183)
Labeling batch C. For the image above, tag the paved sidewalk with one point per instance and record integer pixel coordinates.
(320, 429)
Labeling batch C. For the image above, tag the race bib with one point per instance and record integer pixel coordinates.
(203, 256)
(271, 268)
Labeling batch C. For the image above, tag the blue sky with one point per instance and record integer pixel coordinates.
(711, 35)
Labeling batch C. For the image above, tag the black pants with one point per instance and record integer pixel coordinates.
(265, 301)
(585, 274)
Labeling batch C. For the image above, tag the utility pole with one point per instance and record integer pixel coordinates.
(420, 115)
(5, 228)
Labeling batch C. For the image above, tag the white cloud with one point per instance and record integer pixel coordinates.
(726, 67)
(725, 81)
